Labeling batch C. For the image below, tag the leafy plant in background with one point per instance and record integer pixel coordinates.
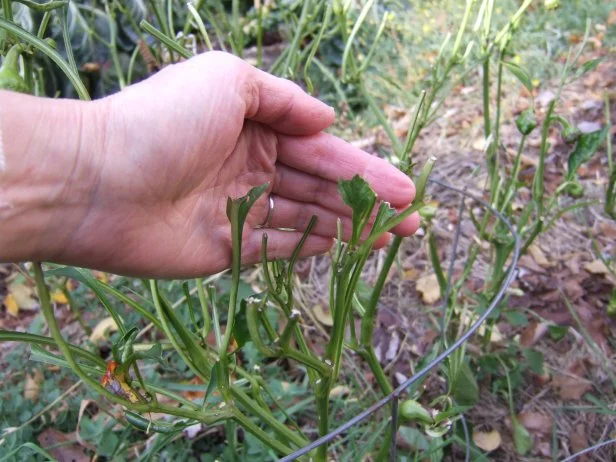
(331, 45)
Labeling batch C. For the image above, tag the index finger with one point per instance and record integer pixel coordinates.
(327, 156)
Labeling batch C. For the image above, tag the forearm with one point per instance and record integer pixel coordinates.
(50, 171)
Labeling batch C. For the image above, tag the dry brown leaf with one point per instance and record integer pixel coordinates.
(533, 333)
(56, 443)
(33, 385)
(570, 388)
(103, 329)
(579, 440)
(538, 255)
(536, 422)
(429, 289)
(488, 441)
(596, 267)
(323, 315)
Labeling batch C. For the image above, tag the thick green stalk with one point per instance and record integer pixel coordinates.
(7, 9)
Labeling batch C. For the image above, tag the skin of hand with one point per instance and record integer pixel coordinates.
(139, 181)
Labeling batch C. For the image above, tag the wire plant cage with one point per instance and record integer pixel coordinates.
(393, 399)
(466, 199)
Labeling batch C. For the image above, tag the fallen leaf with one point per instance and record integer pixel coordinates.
(11, 305)
(33, 385)
(538, 255)
(596, 267)
(103, 329)
(59, 446)
(488, 441)
(429, 289)
(24, 296)
(533, 333)
(570, 388)
(579, 440)
(323, 315)
(339, 391)
(536, 422)
(58, 296)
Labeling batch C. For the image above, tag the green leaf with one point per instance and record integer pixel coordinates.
(534, 360)
(154, 352)
(240, 327)
(557, 332)
(244, 203)
(516, 319)
(521, 74)
(465, 390)
(412, 411)
(521, 438)
(589, 66)
(526, 122)
(358, 195)
(587, 145)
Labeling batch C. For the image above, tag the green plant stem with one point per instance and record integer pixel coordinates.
(207, 321)
(44, 23)
(292, 53)
(610, 192)
(10, 336)
(68, 46)
(7, 9)
(171, 44)
(195, 14)
(52, 54)
(113, 48)
(43, 7)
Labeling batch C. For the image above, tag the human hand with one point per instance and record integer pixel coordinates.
(170, 151)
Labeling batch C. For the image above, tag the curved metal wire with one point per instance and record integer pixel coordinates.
(393, 397)
(590, 449)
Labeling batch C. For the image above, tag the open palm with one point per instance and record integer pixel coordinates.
(177, 145)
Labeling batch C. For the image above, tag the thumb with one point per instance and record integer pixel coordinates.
(283, 105)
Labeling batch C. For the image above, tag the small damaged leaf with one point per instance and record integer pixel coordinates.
(587, 145)
(243, 204)
(358, 195)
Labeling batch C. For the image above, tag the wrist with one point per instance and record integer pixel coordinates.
(52, 162)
